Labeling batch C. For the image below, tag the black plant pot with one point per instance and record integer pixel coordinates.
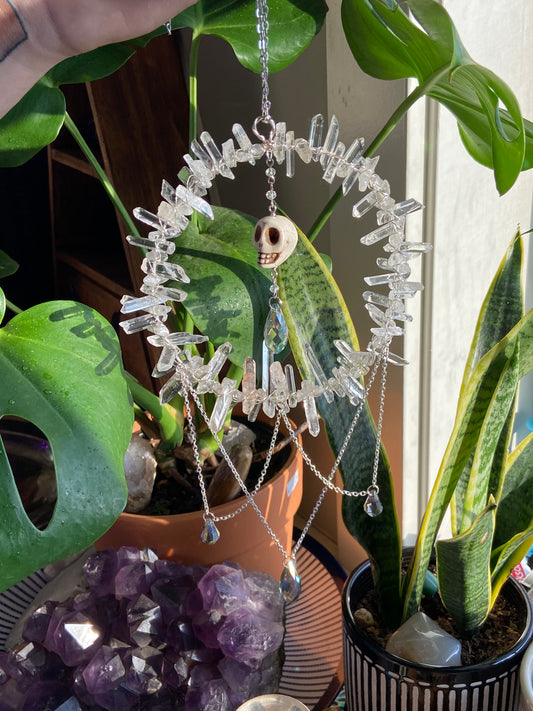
(378, 681)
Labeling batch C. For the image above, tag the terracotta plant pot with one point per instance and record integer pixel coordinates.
(243, 539)
(378, 681)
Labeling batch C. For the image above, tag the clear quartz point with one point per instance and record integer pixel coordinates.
(289, 583)
(289, 155)
(373, 506)
(301, 146)
(330, 142)
(315, 135)
(276, 333)
(210, 533)
(365, 204)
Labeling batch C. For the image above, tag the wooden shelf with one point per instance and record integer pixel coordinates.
(136, 123)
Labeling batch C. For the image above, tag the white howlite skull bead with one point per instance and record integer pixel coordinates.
(275, 238)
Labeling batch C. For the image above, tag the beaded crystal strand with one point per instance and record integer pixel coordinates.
(387, 311)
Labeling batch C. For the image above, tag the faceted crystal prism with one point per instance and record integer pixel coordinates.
(210, 533)
(290, 584)
(373, 506)
(276, 333)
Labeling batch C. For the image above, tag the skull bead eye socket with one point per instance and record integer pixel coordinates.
(273, 235)
(257, 233)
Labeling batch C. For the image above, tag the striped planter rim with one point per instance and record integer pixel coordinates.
(378, 681)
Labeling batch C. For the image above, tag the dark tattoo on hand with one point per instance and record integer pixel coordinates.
(12, 31)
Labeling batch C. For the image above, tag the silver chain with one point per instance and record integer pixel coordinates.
(261, 12)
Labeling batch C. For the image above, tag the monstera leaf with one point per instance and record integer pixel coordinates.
(387, 44)
(228, 295)
(36, 120)
(60, 368)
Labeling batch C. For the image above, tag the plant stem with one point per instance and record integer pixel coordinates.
(106, 183)
(193, 97)
(390, 125)
(11, 306)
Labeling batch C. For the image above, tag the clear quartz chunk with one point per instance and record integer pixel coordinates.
(302, 148)
(174, 386)
(165, 270)
(249, 379)
(276, 333)
(195, 201)
(382, 232)
(308, 392)
(330, 142)
(350, 159)
(290, 584)
(422, 641)
(217, 361)
(315, 136)
(201, 172)
(215, 155)
(210, 533)
(373, 506)
(130, 304)
(289, 155)
(153, 220)
(280, 136)
(200, 152)
(228, 153)
(147, 243)
(331, 166)
(179, 338)
(222, 405)
(291, 384)
(381, 279)
(245, 152)
(168, 293)
(365, 204)
(139, 323)
(318, 373)
(407, 206)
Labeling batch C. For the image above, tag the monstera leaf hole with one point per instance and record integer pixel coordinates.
(30, 458)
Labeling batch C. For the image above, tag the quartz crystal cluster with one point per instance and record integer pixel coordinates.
(149, 634)
(278, 391)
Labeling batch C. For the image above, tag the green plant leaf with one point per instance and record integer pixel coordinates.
(8, 266)
(317, 315)
(463, 570)
(228, 295)
(505, 558)
(514, 507)
(486, 475)
(2, 305)
(502, 308)
(37, 119)
(292, 26)
(387, 44)
(61, 369)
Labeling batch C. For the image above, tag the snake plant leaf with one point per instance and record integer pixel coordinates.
(292, 26)
(502, 308)
(317, 315)
(463, 570)
(8, 266)
(60, 368)
(387, 44)
(514, 507)
(509, 555)
(488, 466)
(471, 411)
(228, 294)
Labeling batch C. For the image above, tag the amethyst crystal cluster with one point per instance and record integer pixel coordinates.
(149, 634)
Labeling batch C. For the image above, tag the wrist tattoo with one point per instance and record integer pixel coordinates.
(12, 30)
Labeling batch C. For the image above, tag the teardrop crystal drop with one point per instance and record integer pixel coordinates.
(276, 333)
(289, 583)
(210, 533)
(373, 506)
